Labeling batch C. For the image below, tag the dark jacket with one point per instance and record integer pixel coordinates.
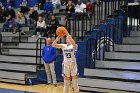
(12, 13)
(34, 15)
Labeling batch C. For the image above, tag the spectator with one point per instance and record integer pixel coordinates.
(31, 23)
(89, 9)
(40, 4)
(40, 28)
(24, 6)
(51, 27)
(79, 9)
(48, 56)
(7, 4)
(10, 23)
(70, 8)
(33, 14)
(20, 20)
(2, 14)
(48, 7)
(56, 3)
(11, 12)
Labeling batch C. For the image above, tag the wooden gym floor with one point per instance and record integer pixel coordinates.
(41, 88)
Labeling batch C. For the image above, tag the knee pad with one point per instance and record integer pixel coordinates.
(66, 85)
(75, 85)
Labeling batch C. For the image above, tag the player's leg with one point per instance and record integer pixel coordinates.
(75, 83)
(48, 72)
(66, 75)
(66, 84)
(75, 79)
(53, 72)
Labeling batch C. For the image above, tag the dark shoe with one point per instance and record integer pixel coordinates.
(22, 33)
(55, 85)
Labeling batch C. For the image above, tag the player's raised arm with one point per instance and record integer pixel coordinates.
(72, 41)
(55, 44)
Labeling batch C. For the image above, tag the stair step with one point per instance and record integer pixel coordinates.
(135, 33)
(18, 59)
(119, 65)
(127, 48)
(18, 67)
(13, 81)
(109, 84)
(8, 47)
(6, 39)
(23, 52)
(31, 39)
(131, 40)
(113, 74)
(12, 75)
(29, 45)
(122, 56)
(9, 34)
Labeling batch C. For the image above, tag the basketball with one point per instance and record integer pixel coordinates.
(61, 31)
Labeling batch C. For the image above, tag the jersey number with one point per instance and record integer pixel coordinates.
(68, 55)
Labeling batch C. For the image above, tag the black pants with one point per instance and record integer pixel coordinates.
(41, 30)
(50, 32)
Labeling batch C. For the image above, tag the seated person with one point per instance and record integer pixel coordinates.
(11, 12)
(70, 8)
(40, 28)
(24, 6)
(56, 3)
(48, 7)
(2, 14)
(40, 4)
(10, 23)
(33, 14)
(51, 26)
(20, 21)
(89, 9)
(79, 8)
(7, 4)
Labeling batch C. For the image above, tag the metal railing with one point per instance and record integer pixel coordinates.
(81, 23)
(132, 18)
(103, 40)
(39, 46)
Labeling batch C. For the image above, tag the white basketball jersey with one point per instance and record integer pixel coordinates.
(68, 53)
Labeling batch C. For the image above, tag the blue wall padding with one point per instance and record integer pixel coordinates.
(81, 57)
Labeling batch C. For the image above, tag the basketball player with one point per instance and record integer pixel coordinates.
(69, 62)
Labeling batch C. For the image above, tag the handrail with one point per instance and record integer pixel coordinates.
(39, 42)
